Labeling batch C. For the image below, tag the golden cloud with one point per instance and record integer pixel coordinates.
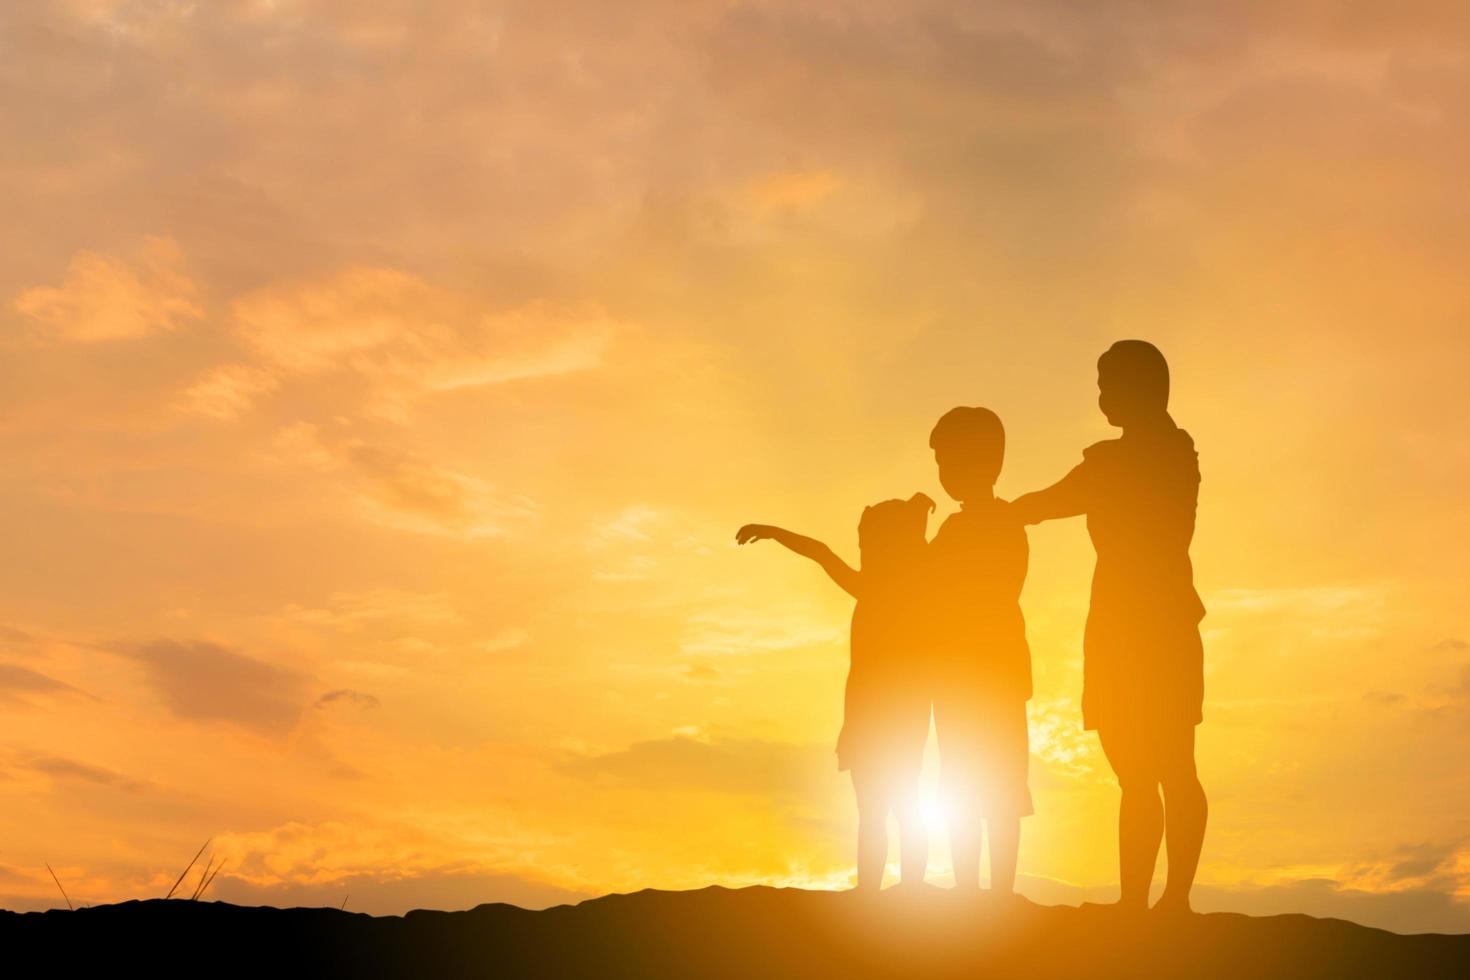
(399, 489)
(104, 298)
(402, 336)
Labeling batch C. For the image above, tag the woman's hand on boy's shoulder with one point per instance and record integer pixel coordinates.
(1016, 512)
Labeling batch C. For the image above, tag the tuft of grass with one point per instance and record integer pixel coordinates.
(206, 878)
(69, 906)
(186, 870)
(216, 872)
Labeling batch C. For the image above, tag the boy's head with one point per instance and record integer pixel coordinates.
(1132, 382)
(892, 527)
(969, 444)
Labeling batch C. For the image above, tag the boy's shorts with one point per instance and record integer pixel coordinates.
(984, 753)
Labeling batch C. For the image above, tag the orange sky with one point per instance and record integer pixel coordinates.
(381, 392)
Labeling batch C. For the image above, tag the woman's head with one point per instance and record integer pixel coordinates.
(1132, 383)
(894, 528)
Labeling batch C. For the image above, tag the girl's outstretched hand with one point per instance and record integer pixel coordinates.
(752, 532)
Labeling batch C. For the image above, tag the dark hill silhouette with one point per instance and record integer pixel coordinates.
(718, 932)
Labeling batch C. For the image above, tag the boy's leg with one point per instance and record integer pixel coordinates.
(966, 838)
(1007, 794)
(873, 803)
(914, 836)
(1185, 813)
(1140, 816)
(954, 724)
(966, 832)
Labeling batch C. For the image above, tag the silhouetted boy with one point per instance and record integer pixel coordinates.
(982, 662)
(886, 704)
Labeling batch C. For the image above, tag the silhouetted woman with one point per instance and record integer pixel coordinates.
(1143, 662)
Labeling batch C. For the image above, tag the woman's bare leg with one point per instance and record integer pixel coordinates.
(1140, 818)
(1185, 813)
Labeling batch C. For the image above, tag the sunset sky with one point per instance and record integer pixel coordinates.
(383, 384)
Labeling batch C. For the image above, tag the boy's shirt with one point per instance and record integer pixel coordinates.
(977, 567)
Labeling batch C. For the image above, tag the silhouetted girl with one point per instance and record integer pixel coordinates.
(886, 705)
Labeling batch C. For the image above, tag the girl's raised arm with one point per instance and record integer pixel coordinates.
(840, 571)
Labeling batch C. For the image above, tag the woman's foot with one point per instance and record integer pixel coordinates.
(1172, 906)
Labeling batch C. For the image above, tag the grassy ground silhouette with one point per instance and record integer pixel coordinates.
(720, 932)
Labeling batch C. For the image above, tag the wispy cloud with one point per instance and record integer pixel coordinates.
(332, 853)
(736, 632)
(347, 696)
(401, 337)
(204, 681)
(506, 640)
(633, 523)
(16, 682)
(227, 391)
(60, 768)
(353, 611)
(690, 763)
(399, 489)
(106, 298)
(1313, 600)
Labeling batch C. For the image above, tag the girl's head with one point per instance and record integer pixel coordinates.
(894, 529)
(1132, 383)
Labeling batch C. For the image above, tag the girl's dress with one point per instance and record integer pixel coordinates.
(886, 703)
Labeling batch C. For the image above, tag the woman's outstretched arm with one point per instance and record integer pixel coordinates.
(841, 572)
(1065, 498)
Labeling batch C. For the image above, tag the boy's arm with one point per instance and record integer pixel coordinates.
(840, 571)
(1065, 498)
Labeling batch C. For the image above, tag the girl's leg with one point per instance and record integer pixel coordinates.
(1005, 844)
(914, 836)
(872, 842)
(1140, 816)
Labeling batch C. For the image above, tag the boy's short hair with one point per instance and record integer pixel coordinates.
(972, 430)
